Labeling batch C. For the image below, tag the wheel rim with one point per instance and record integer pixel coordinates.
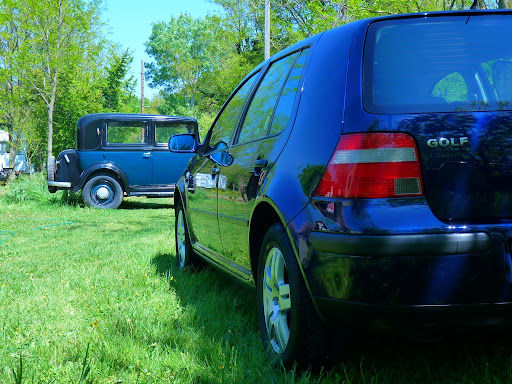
(276, 300)
(103, 193)
(180, 239)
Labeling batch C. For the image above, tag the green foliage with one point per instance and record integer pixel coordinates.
(118, 90)
(33, 188)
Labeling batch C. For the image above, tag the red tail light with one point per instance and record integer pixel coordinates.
(373, 165)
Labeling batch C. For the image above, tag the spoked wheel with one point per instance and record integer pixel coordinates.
(185, 256)
(102, 191)
(276, 300)
(290, 326)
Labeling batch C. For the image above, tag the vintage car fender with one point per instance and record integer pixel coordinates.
(107, 166)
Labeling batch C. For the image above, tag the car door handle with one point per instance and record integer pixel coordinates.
(146, 155)
(261, 163)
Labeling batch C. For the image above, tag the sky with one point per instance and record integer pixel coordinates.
(129, 24)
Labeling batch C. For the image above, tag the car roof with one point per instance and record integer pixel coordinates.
(87, 119)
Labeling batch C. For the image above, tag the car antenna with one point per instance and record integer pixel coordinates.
(474, 5)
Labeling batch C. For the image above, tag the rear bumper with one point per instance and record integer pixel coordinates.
(59, 184)
(413, 270)
(413, 319)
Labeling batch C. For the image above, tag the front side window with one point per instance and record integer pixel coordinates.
(228, 119)
(123, 132)
(438, 64)
(164, 131)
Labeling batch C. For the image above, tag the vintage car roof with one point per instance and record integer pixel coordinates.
(85, 120)
(88, 125)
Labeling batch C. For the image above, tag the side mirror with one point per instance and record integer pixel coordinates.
(223, 158)
(184, 143)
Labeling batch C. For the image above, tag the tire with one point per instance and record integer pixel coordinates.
(102, 191)
(185, 255)
(290, 327)
(51, 167)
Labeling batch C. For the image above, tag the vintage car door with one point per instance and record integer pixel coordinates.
(169, 166)
(127, 146)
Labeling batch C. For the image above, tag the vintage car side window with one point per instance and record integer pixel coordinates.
(223, 127)
(287, 98)
(259, 115)
(124, 132)
(164, 131)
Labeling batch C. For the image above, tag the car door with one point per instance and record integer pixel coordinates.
(127, 146)
(205, 175)
(169, 166)
(257, 146)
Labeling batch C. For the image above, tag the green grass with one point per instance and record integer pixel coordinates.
(93, 296)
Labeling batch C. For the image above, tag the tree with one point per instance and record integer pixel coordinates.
(185, 51)
(54, 32)
(118, 91)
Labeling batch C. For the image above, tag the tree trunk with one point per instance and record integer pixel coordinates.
(51, 106)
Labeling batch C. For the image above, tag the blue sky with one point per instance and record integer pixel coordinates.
(129, 24)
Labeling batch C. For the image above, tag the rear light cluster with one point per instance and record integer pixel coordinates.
(373, 165)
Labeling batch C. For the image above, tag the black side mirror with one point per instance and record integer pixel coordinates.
(184, 143)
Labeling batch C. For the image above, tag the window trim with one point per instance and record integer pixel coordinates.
(145, 144)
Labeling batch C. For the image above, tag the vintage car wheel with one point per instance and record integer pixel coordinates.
(51, 168)
(185, 256)
(290, 327)
(102, 191)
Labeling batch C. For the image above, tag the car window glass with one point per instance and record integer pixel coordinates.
(122, 132)
(499, 73)
(259, 115)
(287, 98)
(409, 65)
(228, 119)
(164, 131)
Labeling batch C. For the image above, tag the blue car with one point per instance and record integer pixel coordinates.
(362, 180)
(121, 155)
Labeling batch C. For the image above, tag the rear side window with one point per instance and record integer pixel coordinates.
(438, 64)
(164, 131)
(124, 132)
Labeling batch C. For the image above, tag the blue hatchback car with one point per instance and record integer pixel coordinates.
(362, 179)
(121, 154)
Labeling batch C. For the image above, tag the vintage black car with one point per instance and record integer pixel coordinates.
(121, 155)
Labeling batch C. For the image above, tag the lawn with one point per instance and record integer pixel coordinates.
(94, 296)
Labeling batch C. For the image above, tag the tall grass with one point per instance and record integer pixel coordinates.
(93, 296)
(32, 187)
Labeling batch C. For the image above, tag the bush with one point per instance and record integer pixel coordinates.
(32, 187)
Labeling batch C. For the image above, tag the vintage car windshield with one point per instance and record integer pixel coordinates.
(449, 65)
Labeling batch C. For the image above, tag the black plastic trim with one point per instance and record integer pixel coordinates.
(401, 245)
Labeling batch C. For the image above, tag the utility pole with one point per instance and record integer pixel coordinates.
(267, 29)
(142, 89)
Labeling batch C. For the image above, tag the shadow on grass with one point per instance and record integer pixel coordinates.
(162, 264)
(227, 311)
(145, 203)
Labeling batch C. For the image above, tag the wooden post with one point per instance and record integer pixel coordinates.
(142, 89)
(267, 29)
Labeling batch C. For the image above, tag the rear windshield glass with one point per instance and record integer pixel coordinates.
(438, 64)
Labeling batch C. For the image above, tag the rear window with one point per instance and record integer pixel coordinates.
(438, 64)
